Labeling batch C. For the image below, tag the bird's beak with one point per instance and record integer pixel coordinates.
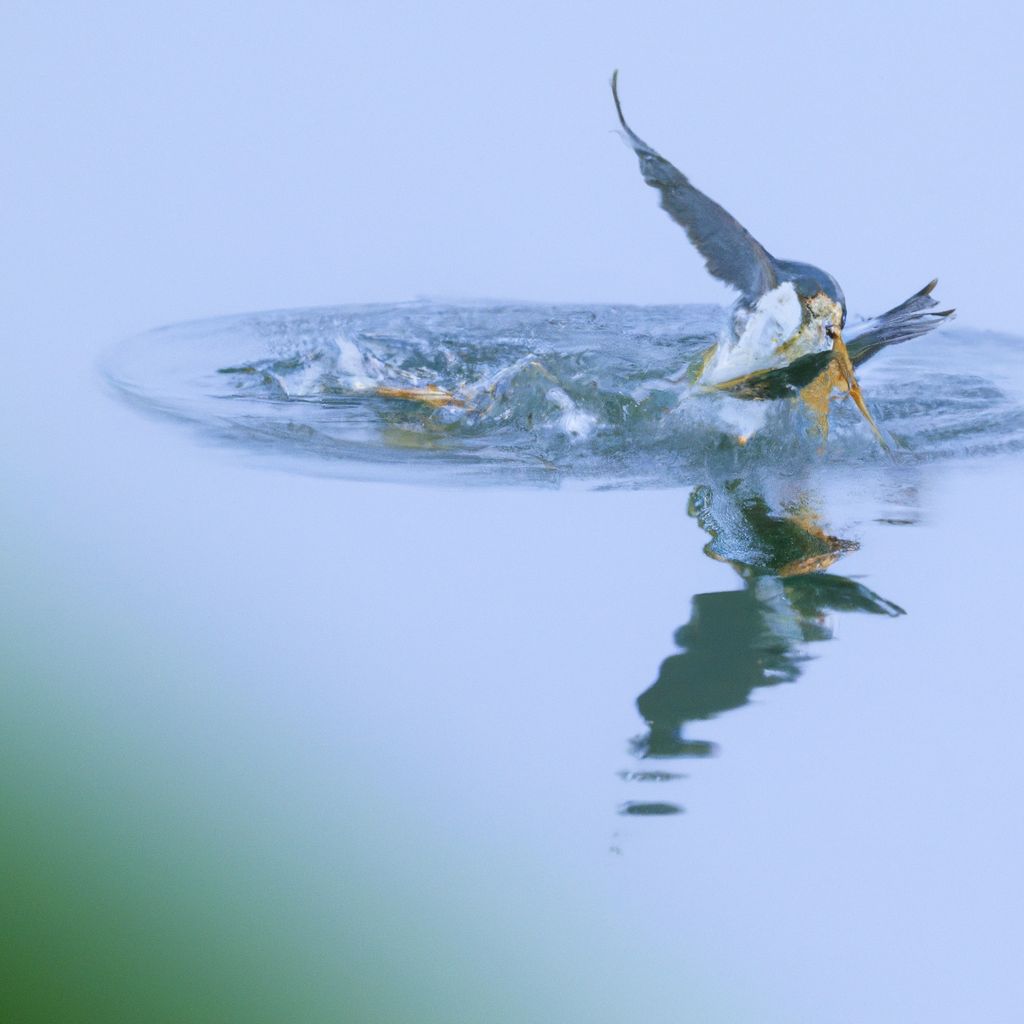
(845, 367)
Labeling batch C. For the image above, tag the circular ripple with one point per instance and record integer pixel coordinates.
(537, 393)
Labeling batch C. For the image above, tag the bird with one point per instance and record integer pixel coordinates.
(786, 337)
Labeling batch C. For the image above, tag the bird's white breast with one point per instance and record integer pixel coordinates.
(757, 337)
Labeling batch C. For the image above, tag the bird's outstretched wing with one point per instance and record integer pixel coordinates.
(729, 250)
(908, 320)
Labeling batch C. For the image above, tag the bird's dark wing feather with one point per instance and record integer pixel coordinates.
(782, 381)
(908, 320)
(729, 251)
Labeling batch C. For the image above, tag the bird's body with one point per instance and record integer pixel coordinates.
(769, 336)
(786, 336)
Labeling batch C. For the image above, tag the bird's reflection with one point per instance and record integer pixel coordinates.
(738, 640)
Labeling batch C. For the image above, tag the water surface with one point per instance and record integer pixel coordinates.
(533, 393)
(726, 737)
(539, 395)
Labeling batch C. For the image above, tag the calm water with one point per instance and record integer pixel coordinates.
(321, 748)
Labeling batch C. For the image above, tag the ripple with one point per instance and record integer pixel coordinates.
(543, 393)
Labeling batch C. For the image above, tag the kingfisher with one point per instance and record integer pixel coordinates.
(786, 336)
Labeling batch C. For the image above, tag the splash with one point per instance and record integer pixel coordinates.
(536, 393)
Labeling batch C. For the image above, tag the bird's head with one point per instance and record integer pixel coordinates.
(821, 312)
(814, 285)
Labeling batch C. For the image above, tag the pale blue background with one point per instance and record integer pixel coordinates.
(172, 161)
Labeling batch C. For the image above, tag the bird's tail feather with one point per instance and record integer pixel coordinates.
(908, 320)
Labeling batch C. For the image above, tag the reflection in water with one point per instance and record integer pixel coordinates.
(738, 640)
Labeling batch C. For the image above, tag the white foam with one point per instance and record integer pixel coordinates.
(739, 417)
(573, 421)
(352, 365)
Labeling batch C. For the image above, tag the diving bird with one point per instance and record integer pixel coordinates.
(787, 328)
